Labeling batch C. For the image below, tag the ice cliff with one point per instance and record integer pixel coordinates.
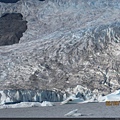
(16, 96)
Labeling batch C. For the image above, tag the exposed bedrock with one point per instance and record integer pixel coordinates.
(11, 28)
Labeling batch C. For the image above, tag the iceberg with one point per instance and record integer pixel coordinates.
(47, 103)
(75, 113)
(72, 100)
(26, 104)
(115, 96)
(21, 105)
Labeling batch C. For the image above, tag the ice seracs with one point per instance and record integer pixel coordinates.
(15, 96)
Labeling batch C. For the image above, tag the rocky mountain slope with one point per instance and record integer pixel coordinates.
(67, 43)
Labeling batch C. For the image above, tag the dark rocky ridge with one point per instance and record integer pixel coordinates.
(11, 28)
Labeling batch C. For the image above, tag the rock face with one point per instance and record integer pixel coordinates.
(67, 43)
(11, 28)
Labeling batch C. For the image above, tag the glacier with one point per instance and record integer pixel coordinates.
(66, 44)
(17, 96)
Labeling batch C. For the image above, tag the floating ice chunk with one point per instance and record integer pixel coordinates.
(36, 104)
(21, 105)
(115, 96)
(46, 103)
(72, 100)
(26, 104)
(77, 114)
(92, 100)
(71, 112)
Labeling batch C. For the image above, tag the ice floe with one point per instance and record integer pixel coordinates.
(46, 103)
(71, 112)
(115, 96)
(74, 113)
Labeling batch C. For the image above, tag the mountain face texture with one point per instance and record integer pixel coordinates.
(11, 28)
(67, 43)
